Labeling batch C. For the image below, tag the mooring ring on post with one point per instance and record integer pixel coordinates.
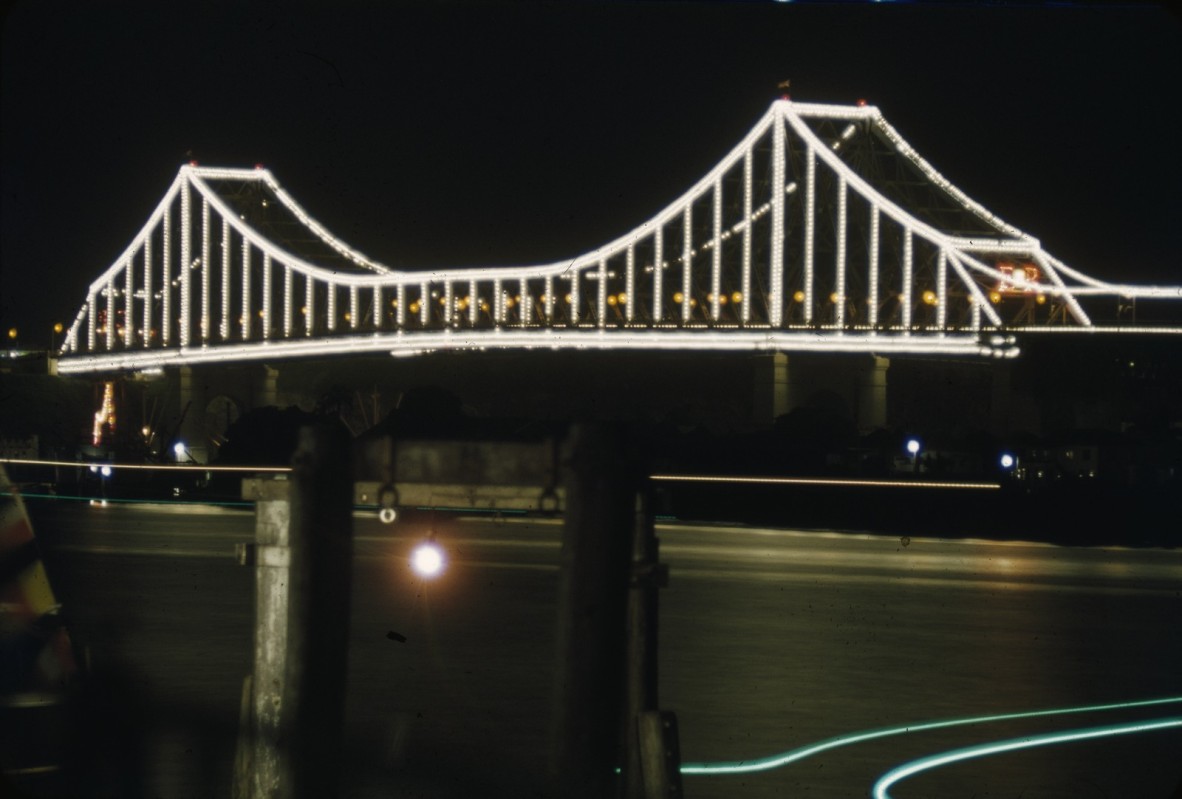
(387, 504)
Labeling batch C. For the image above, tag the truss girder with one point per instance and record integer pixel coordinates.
(785, 244)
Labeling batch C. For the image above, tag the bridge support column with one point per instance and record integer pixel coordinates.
(772, 389)
(264, 391)
(872, 395)
(999, 398)
(194, 396)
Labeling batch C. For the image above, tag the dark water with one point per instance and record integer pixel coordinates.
(769, 641)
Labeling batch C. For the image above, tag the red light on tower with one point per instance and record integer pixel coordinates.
(193, 162)
(259, 166)
(861, 102)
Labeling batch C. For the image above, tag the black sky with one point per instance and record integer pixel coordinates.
(467, 134)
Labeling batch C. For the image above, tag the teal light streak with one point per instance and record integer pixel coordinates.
(131, 500)
(794, 755)
(899, 773)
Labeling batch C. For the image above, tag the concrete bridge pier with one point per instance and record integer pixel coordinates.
(859, 382)
(210, 399)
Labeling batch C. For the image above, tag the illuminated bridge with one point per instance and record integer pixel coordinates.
(822, 230)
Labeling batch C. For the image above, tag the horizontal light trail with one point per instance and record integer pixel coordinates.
(151, 467)
(900, 773)
(834, 481)
(795, 755)
(659, 477)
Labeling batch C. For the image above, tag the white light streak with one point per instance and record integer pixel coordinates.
(831, 481)
(147, 291)
(355, 307)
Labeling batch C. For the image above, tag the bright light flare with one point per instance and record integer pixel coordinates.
(427, 559)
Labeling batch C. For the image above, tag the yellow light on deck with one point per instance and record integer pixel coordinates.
(798, 296)
(929, 297)
(678, 297)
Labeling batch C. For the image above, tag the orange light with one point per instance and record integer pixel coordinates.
(798, 296)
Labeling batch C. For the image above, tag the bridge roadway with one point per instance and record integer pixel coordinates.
(770, 640)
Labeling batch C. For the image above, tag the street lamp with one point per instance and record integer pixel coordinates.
(913, 451)
(427, 559)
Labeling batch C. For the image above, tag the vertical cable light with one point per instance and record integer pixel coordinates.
(330, 307)
(942, 290)
(355, 307)
(129, 302)
(185, 272)
(908, 255)
(574, 296)
(166, 279)
(630, 283)
(266, 296)
(873, 309)
(378, 310)
(745, 286)
(91, 321)
(109, 297)
(401, 306)
(550, 299)
(424, 304)
(527, 303)
(776, 282)
(288, 300)
(687, 257)
(148, 290)
(601, 298)
(810, 203)
(658, 274)
(247, 313)
(716, 255)
(309, 305)
(839, 280)
(225, 327)
(205, 232)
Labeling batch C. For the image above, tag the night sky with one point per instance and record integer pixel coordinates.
(474, 134)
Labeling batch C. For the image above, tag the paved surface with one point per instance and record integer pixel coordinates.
(769, 641)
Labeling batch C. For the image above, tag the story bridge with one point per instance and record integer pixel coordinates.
(822, 230)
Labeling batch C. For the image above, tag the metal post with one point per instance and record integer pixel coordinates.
(648, 577)
(592, 603)
(304, 534)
